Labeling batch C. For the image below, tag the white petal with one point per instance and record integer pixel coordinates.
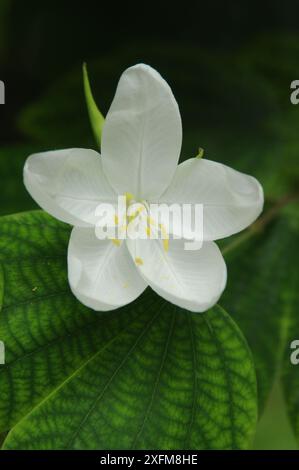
(101, 274)
(142, 134)
(193, 280)
(231, 200)
(68, 184)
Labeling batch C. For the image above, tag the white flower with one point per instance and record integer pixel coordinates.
(140, 148)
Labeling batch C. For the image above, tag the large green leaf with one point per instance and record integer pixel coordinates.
(38, 313)
(2, 438)
(290, 371)
(290, 378)
(258, 280)
(147, 376)
(274, 431)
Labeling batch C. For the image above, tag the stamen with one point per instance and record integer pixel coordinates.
(115, 241)
(150, 220)
(135, 213)
(138, 261)
(165, 239)
(165, 244)
(129, 197)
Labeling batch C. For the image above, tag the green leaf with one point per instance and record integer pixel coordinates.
(150, 375)
(289, 371)
(290, 382)
(2, 438)
(96, 118)
(274, 431)
(38, 312)
(256, 297)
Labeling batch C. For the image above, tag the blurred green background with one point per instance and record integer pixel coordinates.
(230, 65)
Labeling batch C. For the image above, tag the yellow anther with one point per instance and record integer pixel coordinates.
(137, 212)
(163, 230)
(116, 219)
(165, 238)
(138, 261)
(129, 197)
(115, 241)
(150, 220)
(165, 244)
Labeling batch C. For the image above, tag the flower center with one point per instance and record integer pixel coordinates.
(136, 219)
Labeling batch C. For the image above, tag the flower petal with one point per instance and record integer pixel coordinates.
(193, 280)
(142, 134)
(101, 274)
(68, 184)
(231, 200)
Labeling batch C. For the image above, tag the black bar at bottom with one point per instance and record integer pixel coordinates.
(132, 459)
